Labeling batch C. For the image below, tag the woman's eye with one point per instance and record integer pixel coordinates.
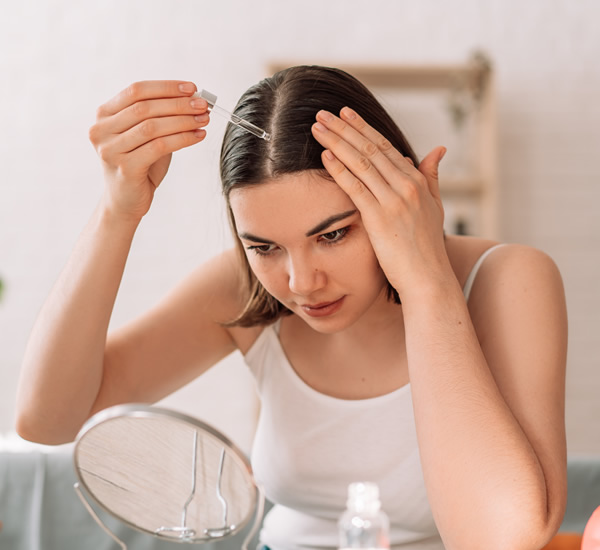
(334, 236)
(262, 249)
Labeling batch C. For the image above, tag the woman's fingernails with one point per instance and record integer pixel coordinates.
(325, 116)
(348, 113)
(187, 87)
(329, 154)
(202, 118)
(199, 103)
(318, 126)
(442, 154)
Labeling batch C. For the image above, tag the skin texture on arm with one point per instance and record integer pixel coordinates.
(62, 367)
(487, 385)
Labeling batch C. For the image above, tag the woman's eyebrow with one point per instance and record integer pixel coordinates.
(317, 229)
(329, 221)
(254, 238)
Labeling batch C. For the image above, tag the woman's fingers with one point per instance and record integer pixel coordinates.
(136, 133)
(382, 143)
(154, 108)
(144, 111)
(141, 91)
(359, 156)
(367, 154)
(372, 158)
(154, 128)
(145, 117)
(429, 168)
(358, 192)
(355, 130)
(113, 149)
(156, 149)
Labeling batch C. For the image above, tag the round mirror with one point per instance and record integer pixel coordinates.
(165, 473)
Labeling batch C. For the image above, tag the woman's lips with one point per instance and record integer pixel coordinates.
(323, 309)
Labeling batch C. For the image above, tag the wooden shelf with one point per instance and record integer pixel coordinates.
(410, 76)
(461, 186)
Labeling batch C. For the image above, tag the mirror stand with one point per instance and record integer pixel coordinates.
(92, 513)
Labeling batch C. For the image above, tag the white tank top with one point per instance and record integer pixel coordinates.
(309, 446)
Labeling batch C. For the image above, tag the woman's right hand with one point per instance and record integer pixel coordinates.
(136, 133)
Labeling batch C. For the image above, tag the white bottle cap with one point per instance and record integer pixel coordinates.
(363, 496)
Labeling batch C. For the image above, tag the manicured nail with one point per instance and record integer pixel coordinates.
(329, 155)
(348, 113)
(443, 154)
(199, 133)
(202, 118)
(199, 103)
(187, 88)
(325, 115)
(320, 127)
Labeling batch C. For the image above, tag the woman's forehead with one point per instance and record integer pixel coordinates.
(303, 199)
(307, 188)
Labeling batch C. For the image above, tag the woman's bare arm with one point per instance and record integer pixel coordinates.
(177, 340)
(63, 373)
(73, 369)
(62, 367)
(489, 401)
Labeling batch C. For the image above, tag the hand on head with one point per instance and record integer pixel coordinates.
(400, 204)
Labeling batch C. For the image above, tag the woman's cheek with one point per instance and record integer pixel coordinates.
(266, 274)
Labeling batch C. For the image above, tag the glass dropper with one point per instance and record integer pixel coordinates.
(211, 99)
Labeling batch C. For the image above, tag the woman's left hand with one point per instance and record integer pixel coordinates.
(400, 204)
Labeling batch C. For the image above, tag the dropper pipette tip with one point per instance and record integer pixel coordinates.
(211, 99)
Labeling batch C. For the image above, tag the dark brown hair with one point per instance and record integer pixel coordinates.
(285, 105)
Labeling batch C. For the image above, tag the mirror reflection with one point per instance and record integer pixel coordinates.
(164, 473)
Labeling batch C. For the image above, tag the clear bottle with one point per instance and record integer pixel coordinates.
(364, 524)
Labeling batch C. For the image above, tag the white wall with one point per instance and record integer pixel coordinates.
(59, 60)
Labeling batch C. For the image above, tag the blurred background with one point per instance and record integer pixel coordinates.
(522, 164)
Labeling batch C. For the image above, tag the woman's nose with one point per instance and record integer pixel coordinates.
(305, 277)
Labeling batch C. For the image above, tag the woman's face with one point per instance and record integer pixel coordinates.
(306, 244)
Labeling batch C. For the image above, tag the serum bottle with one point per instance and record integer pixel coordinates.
(364, 524)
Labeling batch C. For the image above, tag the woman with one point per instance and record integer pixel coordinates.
(382, 349)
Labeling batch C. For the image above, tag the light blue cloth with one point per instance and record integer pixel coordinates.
(583, 497)
(41, 511)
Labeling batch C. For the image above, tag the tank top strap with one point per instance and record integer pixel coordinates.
(471, 278)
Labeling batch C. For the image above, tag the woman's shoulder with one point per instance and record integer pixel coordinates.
(517, 304)
(464, 252)
(514, 284)
(233, 293)
(218, 289)
(506, 260)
